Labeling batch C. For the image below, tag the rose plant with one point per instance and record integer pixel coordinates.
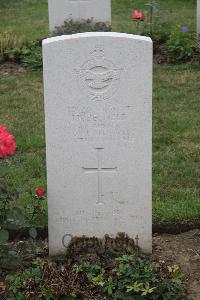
(12, 216)
(147, 20)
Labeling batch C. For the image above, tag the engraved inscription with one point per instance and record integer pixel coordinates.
(108, 123)
(98, 77)
(99, 216)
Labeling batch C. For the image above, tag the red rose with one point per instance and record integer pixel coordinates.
(2, 128)
(10, 144)
(40, 192)
(7, 143)
(137, 15)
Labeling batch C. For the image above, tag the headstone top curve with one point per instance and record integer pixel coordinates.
(96, 34)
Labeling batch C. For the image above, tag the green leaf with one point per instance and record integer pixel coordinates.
(33, 233)
(4, 236)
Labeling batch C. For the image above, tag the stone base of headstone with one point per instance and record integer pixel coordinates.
(88, 25)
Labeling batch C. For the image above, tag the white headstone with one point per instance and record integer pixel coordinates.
(198, 19)
(98, 99)
(78, 10)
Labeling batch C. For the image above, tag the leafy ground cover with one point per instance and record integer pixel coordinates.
(93, 269)
(32, 262)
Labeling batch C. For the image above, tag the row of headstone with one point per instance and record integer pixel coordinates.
(78, 10)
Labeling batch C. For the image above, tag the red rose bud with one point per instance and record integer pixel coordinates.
(40, 192)
(137, 15)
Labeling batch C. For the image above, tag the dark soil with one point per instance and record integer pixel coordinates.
(184, 250)
(159, 56)
(10, 68)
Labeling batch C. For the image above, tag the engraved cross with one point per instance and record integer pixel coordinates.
(99, 170)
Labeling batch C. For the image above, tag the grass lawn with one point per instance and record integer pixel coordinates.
(30, 17)
(176, 110)
(176, 143)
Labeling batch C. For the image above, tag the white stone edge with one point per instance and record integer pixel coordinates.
(96, 34)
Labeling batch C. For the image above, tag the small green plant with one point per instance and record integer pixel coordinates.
(11, 213)
(39, 282)
(10, 46)
(136, 278)
(71, 27)
(94, 273)
(181, 45)
(28, 278)
(16, 49)
(12, 218)
(31, 56)
(127, 277)
(149, 22)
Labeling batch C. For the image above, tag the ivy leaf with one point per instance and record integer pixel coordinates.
(33, 233)
(4, 236)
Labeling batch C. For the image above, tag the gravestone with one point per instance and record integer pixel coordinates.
(198, 21)
(78, 10)
(98, 99)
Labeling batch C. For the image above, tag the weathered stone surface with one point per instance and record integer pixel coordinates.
(98, 98)
(78, 10)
